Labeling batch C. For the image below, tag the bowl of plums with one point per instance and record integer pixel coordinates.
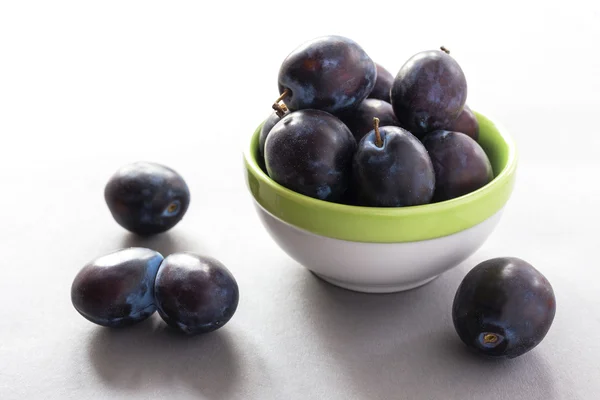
(377, 182)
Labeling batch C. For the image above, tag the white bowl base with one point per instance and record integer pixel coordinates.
(376, 267)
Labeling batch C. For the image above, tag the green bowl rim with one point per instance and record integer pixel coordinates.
(504, 175)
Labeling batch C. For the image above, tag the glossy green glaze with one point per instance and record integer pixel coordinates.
(390, 225)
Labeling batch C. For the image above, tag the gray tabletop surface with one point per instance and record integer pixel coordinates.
(87, 87)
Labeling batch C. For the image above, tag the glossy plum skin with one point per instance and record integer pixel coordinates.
(397, 174)
(195, 294)
(461, 165)
(360, 120)
(329, 73)
(116, 290)
(466, 123)
(383, 84)
(310, 152)
(429, 92)
(503, 308)
(264, 132)
(147, 198)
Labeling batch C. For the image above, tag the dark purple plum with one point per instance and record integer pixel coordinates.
(116, 290)
(350, 197)
(503, 308)
(383, 84)
(147, 198)
(429, 92)
(466, 123)
(360, 120)
(329, 73)
(310, 152)
(195, 294)
(391, 168)
(264, 131)
(461, 165)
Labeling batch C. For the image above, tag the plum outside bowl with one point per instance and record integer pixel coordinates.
(382, 250)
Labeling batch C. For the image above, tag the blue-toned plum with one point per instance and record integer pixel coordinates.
(360, 120)
(329, 73)
(383, 84)
(503, 308)
(117, 289)
(264, 131)
(310, 152)
(391, 168)
(466, 123)
(195, 294)
(147, 198)
(429, 92)
(461, 165)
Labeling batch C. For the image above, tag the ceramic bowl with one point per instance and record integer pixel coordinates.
(381, 250)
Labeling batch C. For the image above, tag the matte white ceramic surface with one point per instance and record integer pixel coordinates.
(376, 267)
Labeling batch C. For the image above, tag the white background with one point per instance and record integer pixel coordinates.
(88, 86)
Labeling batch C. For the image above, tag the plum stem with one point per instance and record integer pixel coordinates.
(378, 141)
(282, 96)
(444, 49)
(172, 207)
(281, 109)
(490, 338)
